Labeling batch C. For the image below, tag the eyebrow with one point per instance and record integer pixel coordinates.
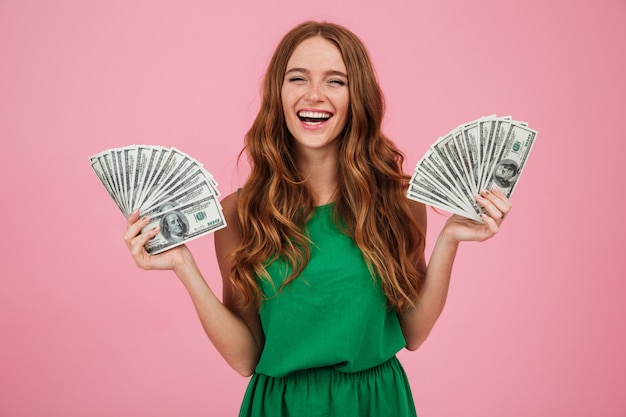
(306, 71)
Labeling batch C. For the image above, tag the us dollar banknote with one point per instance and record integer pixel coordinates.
(473, 157)
(180, 224)
(170, 187)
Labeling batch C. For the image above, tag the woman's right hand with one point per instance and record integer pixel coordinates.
(135, 240)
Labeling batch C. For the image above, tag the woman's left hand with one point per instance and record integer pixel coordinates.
(497, 206)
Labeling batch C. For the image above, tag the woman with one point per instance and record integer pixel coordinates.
(323, 260)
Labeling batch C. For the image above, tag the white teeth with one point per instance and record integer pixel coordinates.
(313, 115)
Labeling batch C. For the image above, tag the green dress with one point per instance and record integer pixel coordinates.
(330, 341)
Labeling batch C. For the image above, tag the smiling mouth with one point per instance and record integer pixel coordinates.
(314, 117)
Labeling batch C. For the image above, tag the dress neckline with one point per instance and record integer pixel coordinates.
(323, 206)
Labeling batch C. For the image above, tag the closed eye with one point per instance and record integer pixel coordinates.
(337, 82)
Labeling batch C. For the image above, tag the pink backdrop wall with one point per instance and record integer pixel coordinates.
(535, 319)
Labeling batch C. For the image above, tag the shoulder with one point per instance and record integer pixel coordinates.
(228, 238)
(229, 204)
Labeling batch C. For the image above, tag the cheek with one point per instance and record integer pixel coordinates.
(345, 105)
(345, 111)
(291, 122)
(287, 104)
(287, 95)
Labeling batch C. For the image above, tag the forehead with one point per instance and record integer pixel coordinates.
(317, 53)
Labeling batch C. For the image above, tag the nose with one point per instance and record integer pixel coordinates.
(314, 92)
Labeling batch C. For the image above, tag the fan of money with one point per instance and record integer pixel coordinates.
(167, 185)
(473, 157)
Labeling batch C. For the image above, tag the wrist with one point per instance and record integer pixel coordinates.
(185, 263)
(448, 237)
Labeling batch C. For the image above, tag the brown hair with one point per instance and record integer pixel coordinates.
(275, 202)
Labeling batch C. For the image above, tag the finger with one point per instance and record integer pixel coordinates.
(133, 217)
(137, 246)
(492, 210)
(134, 228)
(499, 201)
(498, 192)
(140, 240)
(507, 203)
(492, 225)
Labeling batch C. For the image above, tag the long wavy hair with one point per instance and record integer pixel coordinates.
(275, 202)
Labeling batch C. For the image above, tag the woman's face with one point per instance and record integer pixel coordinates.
(315, 94)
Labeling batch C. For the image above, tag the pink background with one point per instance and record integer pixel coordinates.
(535, 318)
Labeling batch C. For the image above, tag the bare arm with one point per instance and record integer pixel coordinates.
(234, 331)
(418, 321)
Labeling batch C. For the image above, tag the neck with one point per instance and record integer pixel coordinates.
(320, 171)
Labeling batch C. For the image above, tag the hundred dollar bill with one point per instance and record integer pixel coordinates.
(180, 176)
(208, 175)
(198, 191)
(425, 184)
(511, 159)
(139, 155)
(167, 185)
(118, 166)
(432, 168)
(477, 129)
(486, 129)
(184, 223)
(170, 169)
(154, 170)
(465, 156)
(104, 166)
(129, 155)
(469, 137)
(472, 157)
(423, 190)
(154, 156)
(450, 156)
(106, 181)
(500, 130)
